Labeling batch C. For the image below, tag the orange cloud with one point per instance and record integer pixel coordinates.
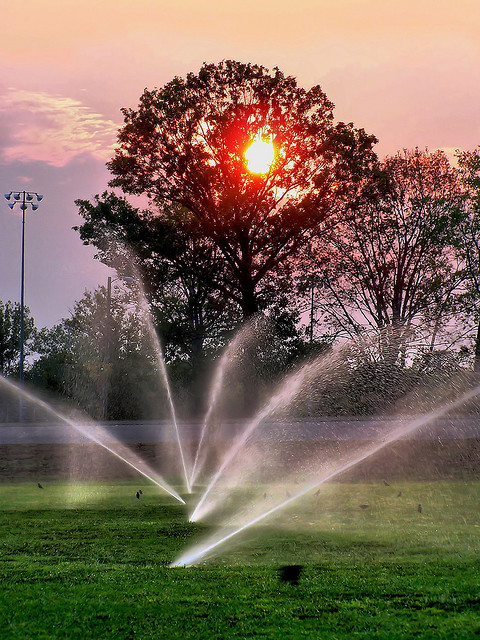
(52, 129)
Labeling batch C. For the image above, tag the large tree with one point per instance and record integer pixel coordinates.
(180, 268)
(390, 264)
(101, 358)
(185, 145)
(468, 242)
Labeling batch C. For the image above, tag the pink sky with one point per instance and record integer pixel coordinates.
(407, 71)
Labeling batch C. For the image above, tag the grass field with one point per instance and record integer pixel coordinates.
(92, 561)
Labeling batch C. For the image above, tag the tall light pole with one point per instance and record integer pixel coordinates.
(24, 199)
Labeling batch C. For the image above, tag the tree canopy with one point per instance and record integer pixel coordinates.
(468, 242)
(391, 264)
(102, 358)
(185, 145)
(182, 270)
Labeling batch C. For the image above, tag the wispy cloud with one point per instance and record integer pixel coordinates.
(43, 127)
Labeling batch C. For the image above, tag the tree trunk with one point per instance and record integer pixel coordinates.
(249, 300)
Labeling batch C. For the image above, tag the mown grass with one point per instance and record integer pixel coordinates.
(96, 565)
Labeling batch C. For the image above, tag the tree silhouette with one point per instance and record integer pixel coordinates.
(468, 241)
(180, 268)
(185, 145)
(391, 265)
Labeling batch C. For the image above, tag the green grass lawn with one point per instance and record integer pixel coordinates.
(92, 561)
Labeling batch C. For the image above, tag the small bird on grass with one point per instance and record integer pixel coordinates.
(364, 506)
(386, 483)
(138, 495)
(419, 508)
(290, 573)
(399, 494)
(317, 493)
(39, 485)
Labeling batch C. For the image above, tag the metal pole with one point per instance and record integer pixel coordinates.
(22, 295)
(107, 348)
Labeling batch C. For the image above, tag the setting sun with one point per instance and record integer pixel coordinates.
(260, 155)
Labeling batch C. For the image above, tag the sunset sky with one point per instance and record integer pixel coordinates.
(407, 71)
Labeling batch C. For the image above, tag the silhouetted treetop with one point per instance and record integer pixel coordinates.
(186, 143)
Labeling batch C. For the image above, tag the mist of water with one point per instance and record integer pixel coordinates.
(207, 547)
(160, 359)
(130, 264)
(254, 328)
(289, 389)
(98, 435)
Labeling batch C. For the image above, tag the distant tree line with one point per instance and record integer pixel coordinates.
(330, 242)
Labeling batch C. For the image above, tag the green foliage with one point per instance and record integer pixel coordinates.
(105, 362)
(101, 359)
(53, 370)
(10, 318)
(468, 244)
(183, 275)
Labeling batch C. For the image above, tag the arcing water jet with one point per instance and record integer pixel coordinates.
(256, 327)
(86, 430)
(200, 551)
(294, 385)
(160, 358)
